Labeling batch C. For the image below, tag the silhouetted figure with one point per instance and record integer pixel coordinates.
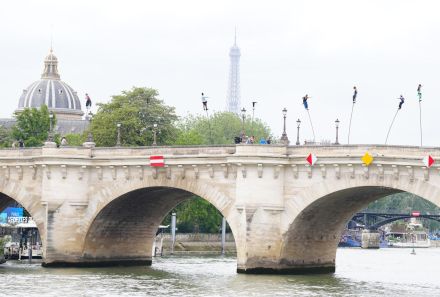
(419, 92)
(355, 94)
(402, 100)
(306, 105)
(88, 101)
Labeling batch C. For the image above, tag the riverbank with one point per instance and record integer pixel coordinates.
(198, 243)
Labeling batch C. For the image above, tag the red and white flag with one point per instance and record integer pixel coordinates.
(428, 161)
(311, 159)
(157, 161)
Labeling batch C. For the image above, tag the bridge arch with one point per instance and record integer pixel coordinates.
(13, 191)
(124, 217)
(313, 227)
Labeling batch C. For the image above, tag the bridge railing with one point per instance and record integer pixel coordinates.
(351, 153)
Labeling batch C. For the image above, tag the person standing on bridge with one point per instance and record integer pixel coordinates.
(305, 103)
(355, 94)
(88, 102)
(205, 102)
(402, 100)
(419, 92)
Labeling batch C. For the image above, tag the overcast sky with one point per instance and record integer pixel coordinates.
(289, 48)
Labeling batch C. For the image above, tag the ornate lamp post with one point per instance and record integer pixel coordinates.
(337, 131)
(298, 124)
(243, 117)
(154, 134)
(284, 137)
(118, 139)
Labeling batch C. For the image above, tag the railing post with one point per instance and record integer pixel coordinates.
(173, 231)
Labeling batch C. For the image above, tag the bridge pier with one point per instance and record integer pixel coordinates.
(370, 239)
(260, 246)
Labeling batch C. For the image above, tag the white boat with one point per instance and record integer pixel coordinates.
(25, 242)
(416, 239)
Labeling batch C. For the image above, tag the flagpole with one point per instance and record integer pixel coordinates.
(389, 130)
(313, 130)
(349, 126)
(205, 107)
(209, 127)
(253, 113)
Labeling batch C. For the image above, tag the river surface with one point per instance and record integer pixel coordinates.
(384, 272)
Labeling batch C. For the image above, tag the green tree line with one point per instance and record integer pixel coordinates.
(137, 110)
(405, 203)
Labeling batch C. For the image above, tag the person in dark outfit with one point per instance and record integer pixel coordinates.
(88, 101)
(419, 92)
(355, 94)
(306, 105)
(402, 100)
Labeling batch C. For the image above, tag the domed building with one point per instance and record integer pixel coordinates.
(58, 96)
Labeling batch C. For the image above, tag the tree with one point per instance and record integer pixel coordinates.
(5, 137)
(189, 137)
(405, 203)
(75, 139)
(220, 128)
(33, 126)
(136, 110)
(196, 215)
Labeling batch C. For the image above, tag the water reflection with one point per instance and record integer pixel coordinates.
(387, 272)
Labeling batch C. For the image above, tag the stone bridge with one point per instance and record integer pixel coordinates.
(102, 206)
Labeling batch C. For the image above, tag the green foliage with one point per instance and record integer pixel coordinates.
(402, 203)
(5, 137)
(75, 139)
(196, 215)
(33, 126)
(220, 128)
(136, 110)
(189, 137)
(406, 203)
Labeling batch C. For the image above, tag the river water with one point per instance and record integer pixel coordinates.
(384, 272)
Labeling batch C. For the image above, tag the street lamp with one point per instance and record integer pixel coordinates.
(337, 131)
(298, 124)
(118, 139)
(243, 117)
(154, 134)
(284, 137)
(50, 136)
